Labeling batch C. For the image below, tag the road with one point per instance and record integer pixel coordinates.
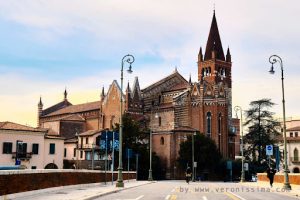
(173, 190)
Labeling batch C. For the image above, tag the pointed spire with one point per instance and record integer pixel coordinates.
(128, 90)
(175, 71)
(40, 102)
(214, 42)
(190, 80)
(102, 95)
(228, 56)
(200, 55)
(65, 94)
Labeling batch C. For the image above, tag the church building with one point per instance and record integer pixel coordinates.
(175, 107)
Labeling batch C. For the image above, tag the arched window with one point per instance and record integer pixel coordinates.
(219, 123)
(162, 141)
(296, 155)
(208, 124)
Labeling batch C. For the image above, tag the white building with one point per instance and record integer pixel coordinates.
(34, 147)
(293, 145)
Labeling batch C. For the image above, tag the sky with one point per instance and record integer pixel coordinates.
(47, 46)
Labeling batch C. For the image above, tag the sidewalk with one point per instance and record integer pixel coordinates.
(74, 192)
(277, 188)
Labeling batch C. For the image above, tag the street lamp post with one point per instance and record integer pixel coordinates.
(193, 156)
(17, 151)
(129, 59)
(77, 147)
(150, 177)
(93, 149)
(274, 59)
(236, 109)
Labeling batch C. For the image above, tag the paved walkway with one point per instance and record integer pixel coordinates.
(74, 192)
(277, 188)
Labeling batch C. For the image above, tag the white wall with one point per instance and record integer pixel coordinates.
(58, 156)
(27, 137)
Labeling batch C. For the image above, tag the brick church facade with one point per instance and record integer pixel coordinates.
(174, 106)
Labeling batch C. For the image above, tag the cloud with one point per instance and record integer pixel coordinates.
(52, 44)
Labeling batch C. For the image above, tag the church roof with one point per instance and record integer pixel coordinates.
(56, 107)
(76, 108)
(72, 117)
(214, 42)
(174, 74)
(19, 127)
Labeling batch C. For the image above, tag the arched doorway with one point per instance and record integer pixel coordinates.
(51, 166)
(296, 170)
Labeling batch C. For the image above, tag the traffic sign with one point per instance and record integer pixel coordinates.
(269, 150)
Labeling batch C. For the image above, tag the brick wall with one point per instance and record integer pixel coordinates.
(26, 180)
(279, 178)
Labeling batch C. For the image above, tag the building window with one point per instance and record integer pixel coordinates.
(7, 147)
(296, 134)
(219, 123)
(208, 124)
(81, 141)
(65, 152)
(81, 154)
(22, 150)
(291, 134)
(159, 121)
(74, 152)
(52, 148)
(88, 156)
(296, 155)
(35, 148)
(86, 140)
(162, 141)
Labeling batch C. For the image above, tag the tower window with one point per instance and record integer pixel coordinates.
(159, 121)
(208, 124)
(219, 123)
(162, 141)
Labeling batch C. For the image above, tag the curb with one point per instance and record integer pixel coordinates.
(290, 193)
(116, 191)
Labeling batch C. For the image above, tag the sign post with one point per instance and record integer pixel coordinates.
(269, 152)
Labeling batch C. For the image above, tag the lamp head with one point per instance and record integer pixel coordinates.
(156, 115)
(129, 70)
(272, 70)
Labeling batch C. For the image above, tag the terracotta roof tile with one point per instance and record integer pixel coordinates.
(89, 132)
(77, 108)
(19, 127)
(56, 107)
(297, 128)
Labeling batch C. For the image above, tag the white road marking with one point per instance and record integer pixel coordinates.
(238, 196)
(204, 198)
(167, 197)
(139, 197)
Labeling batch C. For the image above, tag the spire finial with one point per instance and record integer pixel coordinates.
(214, 8)
(40, 102)
(65, 93)
(190, 79)
(175, 69)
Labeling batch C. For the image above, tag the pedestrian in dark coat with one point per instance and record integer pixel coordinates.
(270, 174)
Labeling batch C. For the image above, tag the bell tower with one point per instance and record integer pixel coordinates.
(213, 66)
(214, 77)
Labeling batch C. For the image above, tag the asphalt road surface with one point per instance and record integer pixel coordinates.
(173, 190)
